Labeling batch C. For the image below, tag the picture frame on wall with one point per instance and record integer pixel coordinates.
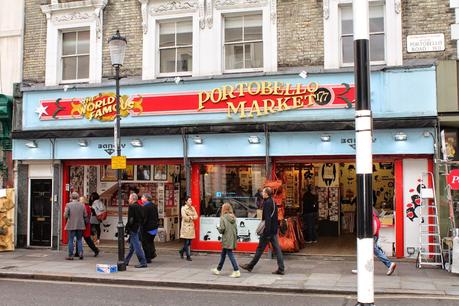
(160, 172)
(128, 173)
(143, 173)
(107, 174)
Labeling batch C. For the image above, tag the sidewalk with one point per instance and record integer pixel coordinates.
(304, 274)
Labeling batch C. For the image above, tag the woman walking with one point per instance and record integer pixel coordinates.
(87, 231)
(228, 229)
(187, 231)
(97, 209)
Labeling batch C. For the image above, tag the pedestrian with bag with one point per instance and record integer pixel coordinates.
(98, 214)
(267, 230)
(75, 214)
(87, 231)
(228, 229)
(150, 227)
(187, 231)
(133, 228)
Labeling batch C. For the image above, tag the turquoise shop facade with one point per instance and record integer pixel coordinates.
(403, 101)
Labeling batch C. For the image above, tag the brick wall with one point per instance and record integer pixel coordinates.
(428, 17)
(300, 33)
(34, 42)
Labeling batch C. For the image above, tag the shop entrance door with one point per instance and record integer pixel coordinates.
(40, 212)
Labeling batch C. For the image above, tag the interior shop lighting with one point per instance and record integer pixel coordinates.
(254, 139)
(83, 143)
(400, 136)
(31, 144)
(427, 134)
(136, 143)
(325, 138)
(198, 140)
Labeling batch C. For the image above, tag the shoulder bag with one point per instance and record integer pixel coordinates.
(261, 226)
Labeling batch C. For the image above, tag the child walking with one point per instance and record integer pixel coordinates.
(228, 229)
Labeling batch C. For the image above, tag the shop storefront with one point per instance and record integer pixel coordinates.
(221, 139)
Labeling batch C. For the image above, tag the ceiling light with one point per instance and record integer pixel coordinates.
(31, 144)
(426, 134)
(400, 136)
(83, 142)
(325, 138)
(254, 139)
(197, 140)
(136, 143)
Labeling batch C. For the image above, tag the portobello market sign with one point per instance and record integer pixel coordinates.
(241, 100)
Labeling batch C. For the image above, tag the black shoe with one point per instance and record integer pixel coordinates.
(148, 261)
(154, 256)
(279, 272)
(189, 259)
(246, 267)
(96, 253)
(81, 257)
(141, 266)
(181, 254)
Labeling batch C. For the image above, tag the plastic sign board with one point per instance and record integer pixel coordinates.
(118, 162)
(453, 179)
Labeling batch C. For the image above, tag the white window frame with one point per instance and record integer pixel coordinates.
(69, 17)
(392, 33)
(225, 70)
(61, 59)
(158, 56)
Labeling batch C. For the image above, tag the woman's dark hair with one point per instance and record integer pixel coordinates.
(94, 196)
(187, 197)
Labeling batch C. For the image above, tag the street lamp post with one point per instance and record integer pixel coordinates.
(117, 45)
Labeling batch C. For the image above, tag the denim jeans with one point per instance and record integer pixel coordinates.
(78, 234)
(135, 246)
(309, 220)
(186, 247)
(230, 254)
(261, 248)
(380, 253)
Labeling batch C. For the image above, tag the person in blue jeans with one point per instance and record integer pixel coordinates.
(228, 229)
(133, 227)
(269, 234)
(76, 217)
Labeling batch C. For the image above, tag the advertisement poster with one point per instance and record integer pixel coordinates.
(246, 229)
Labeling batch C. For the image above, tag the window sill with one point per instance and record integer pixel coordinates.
(378, 63)
(174, 74)
(243, 70)
(80, 81)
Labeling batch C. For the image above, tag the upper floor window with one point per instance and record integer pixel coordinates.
(377, 39)
(175, 47)
(243, 42)
(75, 55)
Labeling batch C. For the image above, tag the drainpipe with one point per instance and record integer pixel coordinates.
(186, 162)
(268, 164)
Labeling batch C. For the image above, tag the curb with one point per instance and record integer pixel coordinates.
(202, 286)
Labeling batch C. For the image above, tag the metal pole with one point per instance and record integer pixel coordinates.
(364, 157)
(121, 265)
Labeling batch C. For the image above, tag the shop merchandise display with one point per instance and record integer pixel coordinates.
(6, 220)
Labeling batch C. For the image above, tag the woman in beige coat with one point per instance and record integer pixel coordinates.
(187, 231)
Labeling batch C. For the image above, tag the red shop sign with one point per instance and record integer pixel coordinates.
(453, 179)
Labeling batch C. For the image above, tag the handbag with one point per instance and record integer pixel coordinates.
(261, 226)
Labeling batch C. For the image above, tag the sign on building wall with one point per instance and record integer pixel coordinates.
(242, 100)
(425, 43)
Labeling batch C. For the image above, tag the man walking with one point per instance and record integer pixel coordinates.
(133, 226)
(310, 209)
(76, 217)
(269, 234)
(150, 227)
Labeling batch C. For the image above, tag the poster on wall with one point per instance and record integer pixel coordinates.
(109, 230)
(107, 174)
(246, 229)
(143, 172)
(77, 179)
(160, 173)
(328, 175)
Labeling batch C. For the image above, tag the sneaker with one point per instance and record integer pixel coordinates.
(215, 271)
(96, 253)
(354, 271)
(314, 241)
(279, 272)
(391, 269)
(189, 259)
(236, 274)
(141, 266)
(308, 242)
(246, 267)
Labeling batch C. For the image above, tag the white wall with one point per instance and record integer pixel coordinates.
(11, 26)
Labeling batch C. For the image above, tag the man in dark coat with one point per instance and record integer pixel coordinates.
(150, 227)
(133, 227)
(310, 211)
(269, 234)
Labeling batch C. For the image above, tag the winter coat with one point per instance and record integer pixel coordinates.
(87, 231)
(97, 208)
(189, 214)
(135, 218)
(228, 229)
(75, 214)
(150, 213)
(271, 224)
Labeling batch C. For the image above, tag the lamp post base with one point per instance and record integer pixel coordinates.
(121, 264)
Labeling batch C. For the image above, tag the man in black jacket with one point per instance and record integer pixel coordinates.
(133, 227)
(150, 226)
(269, 234)
(310, 211)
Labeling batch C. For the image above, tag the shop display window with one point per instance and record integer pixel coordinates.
(239, 185)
